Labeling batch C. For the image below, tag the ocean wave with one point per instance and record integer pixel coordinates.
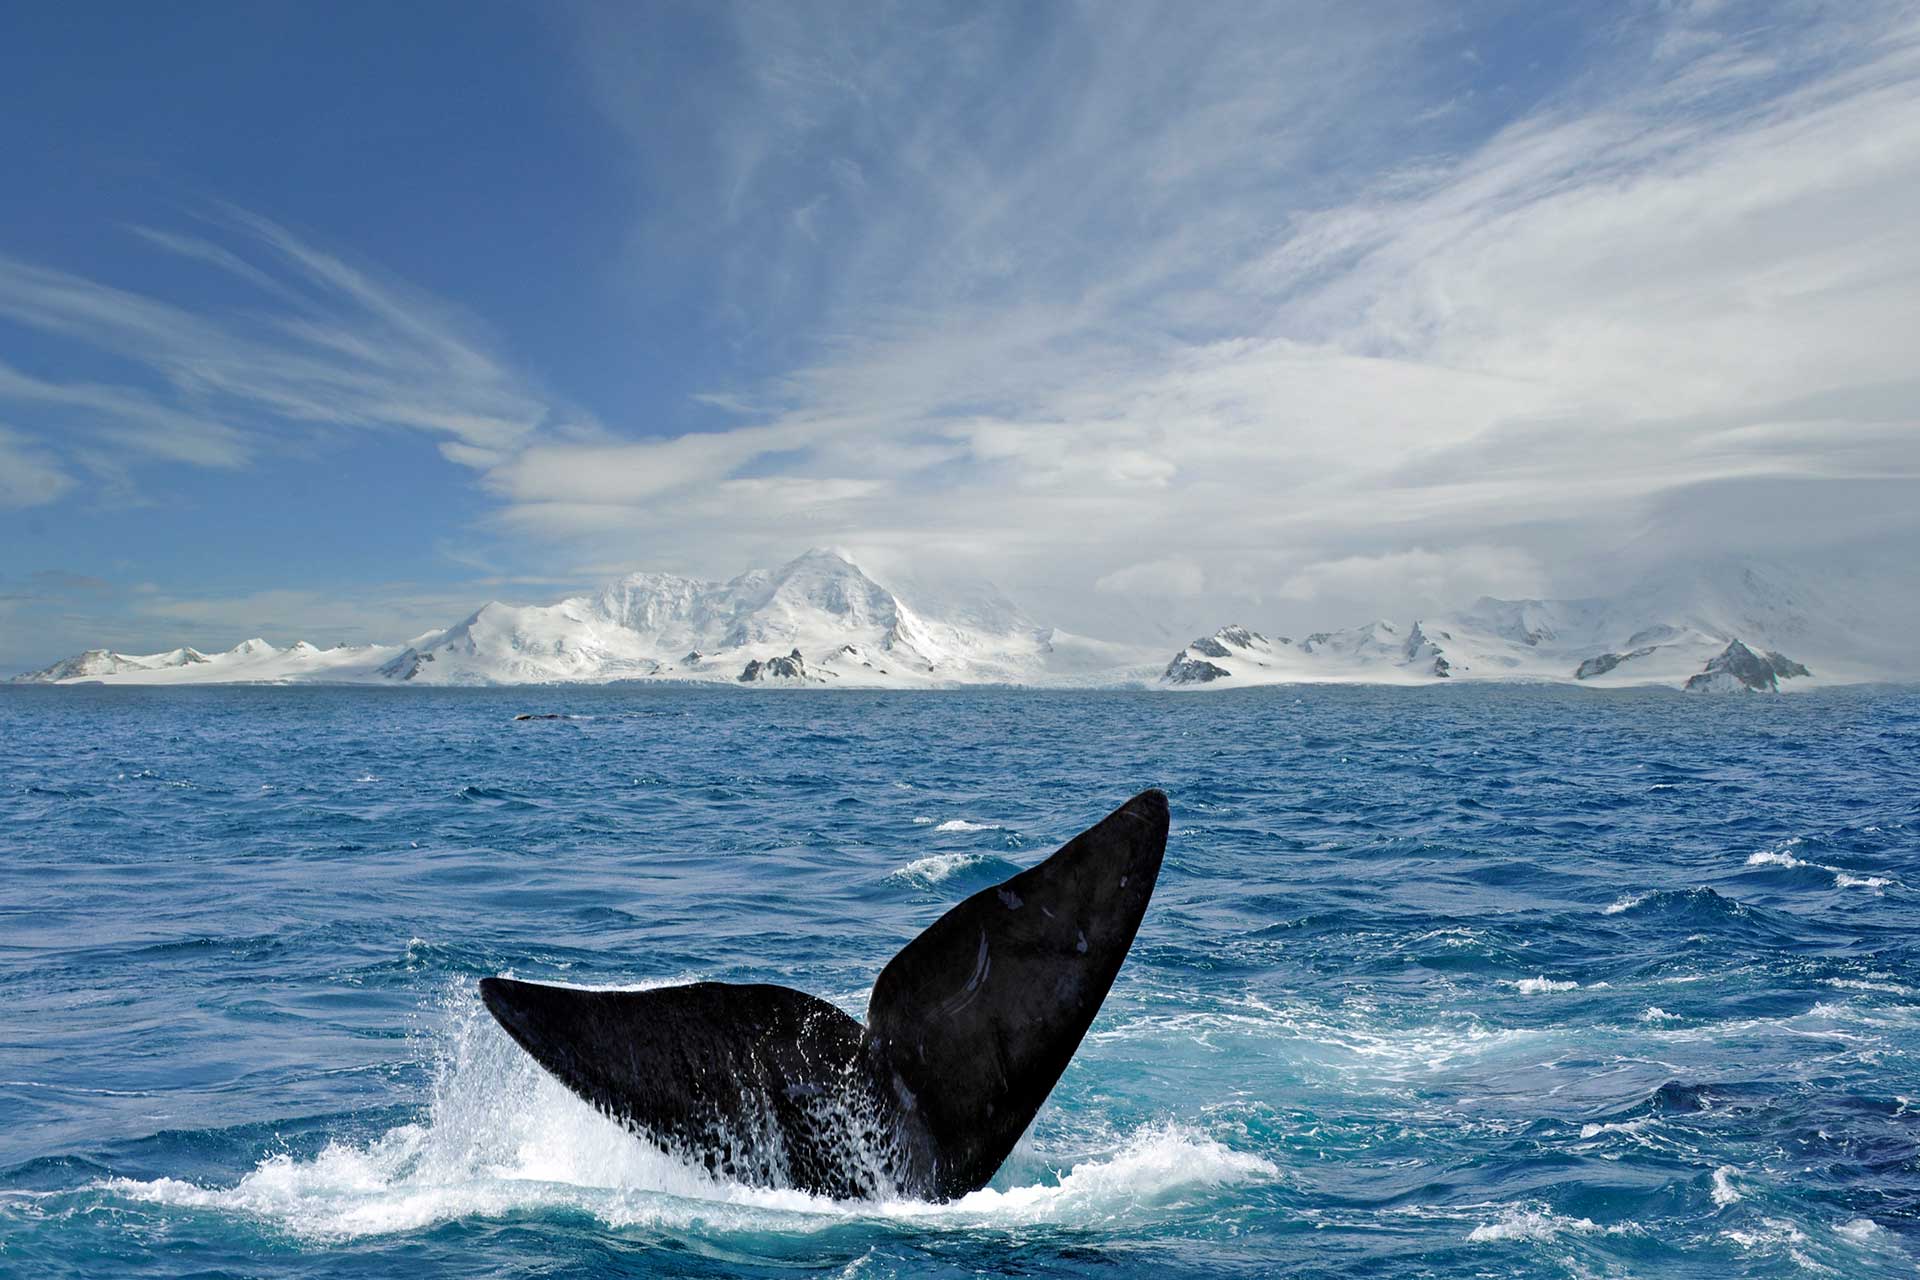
(961, 824)
(1770, 1233)
(1842, 878)
(1520, 1222)
(1349, 1043)
(1625, 1128)
(934, 868)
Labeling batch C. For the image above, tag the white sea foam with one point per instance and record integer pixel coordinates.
(1770, 1233)
(1861, 984)
(1358, 1050)
(1655, 1013)
(961, 824)
(1520, 1223)
(1626, 1128)
(935, 867)
(1724, 1192)
(1155, 1163)
(1860, 1230)
(1541, 985)
(1626, 902)
(502, 1137)
(1842, 878)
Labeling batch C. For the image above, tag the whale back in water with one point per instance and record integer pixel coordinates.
(967, 1031)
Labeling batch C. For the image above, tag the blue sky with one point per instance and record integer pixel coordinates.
(335, 321)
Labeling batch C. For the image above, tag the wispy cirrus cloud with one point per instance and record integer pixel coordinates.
(29, 476)
(1251, 296)
(322, 345)
(1237, 310)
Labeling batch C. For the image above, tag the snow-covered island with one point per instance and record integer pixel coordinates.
(1722, 627)
(820, 621)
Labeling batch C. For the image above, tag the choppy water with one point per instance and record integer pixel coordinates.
(1437, 982)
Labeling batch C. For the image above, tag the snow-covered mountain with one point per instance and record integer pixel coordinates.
(845, 628)
(1728, 626)
(249, 662)
(819, 620)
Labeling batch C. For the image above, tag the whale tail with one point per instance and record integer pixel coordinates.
(968, 1029)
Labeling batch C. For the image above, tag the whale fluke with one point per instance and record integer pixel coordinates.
(968, 1029)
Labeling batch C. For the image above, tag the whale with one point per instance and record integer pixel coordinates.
(967, 1031)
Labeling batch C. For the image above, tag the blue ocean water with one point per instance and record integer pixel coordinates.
(1437, 982)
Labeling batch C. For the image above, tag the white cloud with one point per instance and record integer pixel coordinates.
(1171, 577)
(1256, 303)
(28, 476)
(1478, 372)
(371, 613)
(332, 347)
(1419, 578)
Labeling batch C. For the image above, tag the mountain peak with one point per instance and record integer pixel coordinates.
(823, 556)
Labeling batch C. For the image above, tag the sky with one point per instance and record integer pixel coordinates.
(335, 321)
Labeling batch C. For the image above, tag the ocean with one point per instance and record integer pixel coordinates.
(1438, 982)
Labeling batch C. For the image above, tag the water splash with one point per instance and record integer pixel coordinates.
(502, 1137)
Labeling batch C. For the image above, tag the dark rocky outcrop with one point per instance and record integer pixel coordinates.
(406, 665)
(1603, 663)
(1421, 653)
(1740, 667)
(791, 667)
(1186, 670)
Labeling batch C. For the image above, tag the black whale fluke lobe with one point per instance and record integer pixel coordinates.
(967, 1031)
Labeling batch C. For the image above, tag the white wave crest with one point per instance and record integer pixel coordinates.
(1530, 1224)
(1842, 878)
(1724, 1192)
(1626, 1128)
(961, 824)
(1770, 1233)
(1541, 985)
(936, 867)
(1861, 984)
(1626, 902)
(502, 1137)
